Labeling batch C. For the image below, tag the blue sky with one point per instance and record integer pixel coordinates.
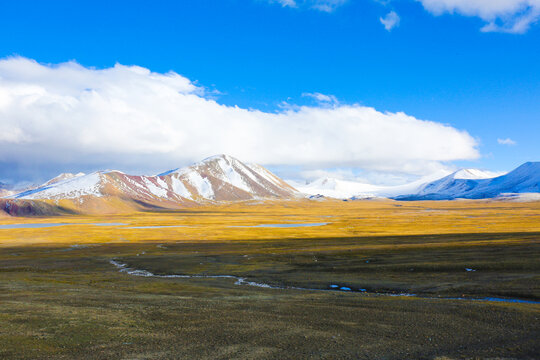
(436, 64)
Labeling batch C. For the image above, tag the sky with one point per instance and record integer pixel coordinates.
(373, 90)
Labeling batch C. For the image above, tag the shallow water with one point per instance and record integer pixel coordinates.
(243, 281)
(48, 225)
(519, 301)
(282, 225)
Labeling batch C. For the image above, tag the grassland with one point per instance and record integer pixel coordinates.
(63, 301)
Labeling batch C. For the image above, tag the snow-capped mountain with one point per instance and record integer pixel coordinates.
(223, 177)
(96, 184)
(472, 185)
(218, 178)
(464, 183)
(344, 189)
(457, 182)
(339, 189)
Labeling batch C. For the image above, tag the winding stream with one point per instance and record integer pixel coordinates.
(243, 281)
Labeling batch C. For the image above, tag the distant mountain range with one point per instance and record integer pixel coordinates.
(224, 178)
(465, 184)
(471, 185)
(345, 189)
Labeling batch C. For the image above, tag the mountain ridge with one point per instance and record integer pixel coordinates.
(523, 179)
(463, 183)
(222, 178)
(215, 179)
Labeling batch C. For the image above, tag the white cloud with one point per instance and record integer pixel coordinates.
(390, 21)
(327, 5)
(512, 16)
(70, 115)
(509, 16)
(506, 141)
(322, 98)
(341, 174)
(285, 3)
(321, 5)
(367, 177)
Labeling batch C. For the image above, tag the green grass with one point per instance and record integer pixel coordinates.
(59, 302)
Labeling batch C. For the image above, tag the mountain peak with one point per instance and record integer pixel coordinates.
(470, 174)
(223, 177)
(529, 166)
(219, 157)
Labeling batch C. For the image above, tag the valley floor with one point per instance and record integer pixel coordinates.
(61, 297)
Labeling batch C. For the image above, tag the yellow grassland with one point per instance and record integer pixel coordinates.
(345, 219)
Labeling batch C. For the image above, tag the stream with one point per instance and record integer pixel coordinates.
(334, 288)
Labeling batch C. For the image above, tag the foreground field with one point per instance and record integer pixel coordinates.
(60, 296)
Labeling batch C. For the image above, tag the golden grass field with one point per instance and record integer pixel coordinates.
(346, 219)
(63, 301)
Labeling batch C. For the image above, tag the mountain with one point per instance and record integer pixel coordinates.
(466, 184)
(224, 178)
(343, 189)
(98, 184)
(218, 178)
(457, 182)
(339, 189)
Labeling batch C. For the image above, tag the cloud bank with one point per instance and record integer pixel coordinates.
(512, 16)
(67, 115)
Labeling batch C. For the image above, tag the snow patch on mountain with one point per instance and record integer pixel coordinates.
(473, 174)
(159, 191)
(71, 188)
(231, 174)
(179, 188)
(203, 186)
